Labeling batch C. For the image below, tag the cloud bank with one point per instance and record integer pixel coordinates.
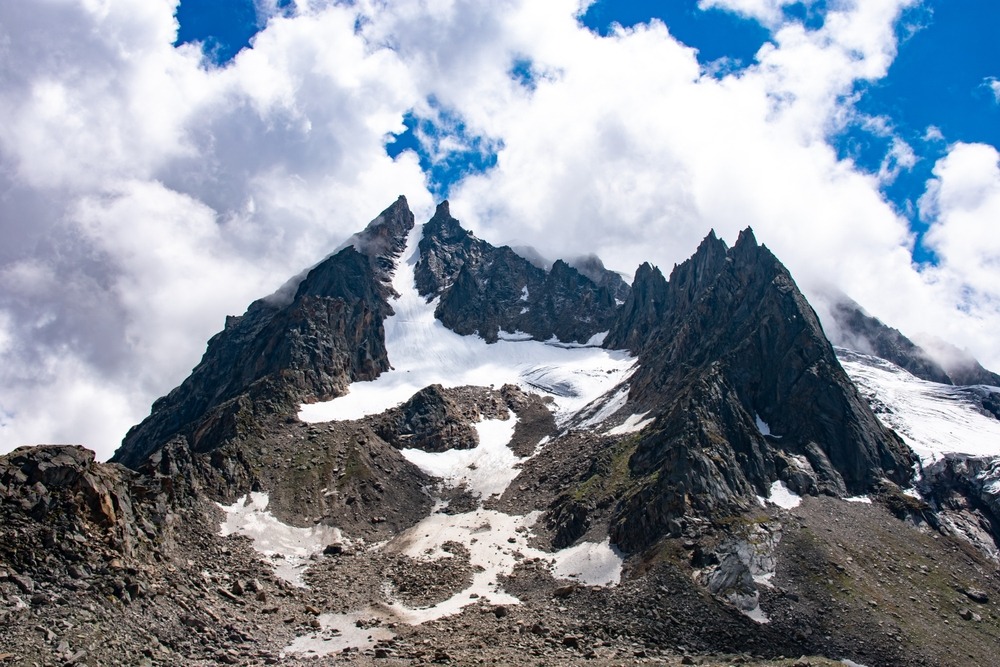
(146, 194)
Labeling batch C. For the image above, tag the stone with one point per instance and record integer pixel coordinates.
(969, 615)
(485, 290)
(23, 582)
(564, 591)
(977, 595)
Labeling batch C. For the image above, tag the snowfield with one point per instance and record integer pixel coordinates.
(285, 547)
(486, 470)
(423, 352)
(933, 419)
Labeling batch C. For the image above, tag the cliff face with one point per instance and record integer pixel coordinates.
(487, 290)
(309, 345)
(747, 390)
(857, 330)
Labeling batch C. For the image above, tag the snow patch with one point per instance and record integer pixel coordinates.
(286, 547)
(423, 352)
(763, 427)
(486, 534)
(524, 293)
(783, 497)
(597, 339)
(590, 563)
(513, 335)
(859, 499)
(496, 541)
(933, 419)
(756, 614)
(764, 579)
(633, 424)
(486, 470)
(596, 412)
(357, 629)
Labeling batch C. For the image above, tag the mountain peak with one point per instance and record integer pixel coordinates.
(486, 289)
(283, 351)
(746, 237)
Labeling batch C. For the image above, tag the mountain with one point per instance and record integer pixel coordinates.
(429, 449)
(755, 394)
(857, 330)
(485, 290)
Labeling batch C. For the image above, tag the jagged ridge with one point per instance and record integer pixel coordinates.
(729, 341)
(310, 347)
(485, 290)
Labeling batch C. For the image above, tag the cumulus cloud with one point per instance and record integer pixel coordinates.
(962, 205)
(767, 12)
(147, 194)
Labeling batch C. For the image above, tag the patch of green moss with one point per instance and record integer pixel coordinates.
(355, 468)
(613, 476)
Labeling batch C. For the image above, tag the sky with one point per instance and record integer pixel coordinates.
(162, 164)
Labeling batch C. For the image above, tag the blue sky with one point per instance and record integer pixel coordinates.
(162, 164)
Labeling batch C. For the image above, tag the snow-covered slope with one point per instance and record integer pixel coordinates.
(423, 352)
(934, 419)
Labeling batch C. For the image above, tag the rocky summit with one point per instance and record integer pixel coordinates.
(427, 449)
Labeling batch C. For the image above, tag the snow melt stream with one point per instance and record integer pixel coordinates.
(423, 351)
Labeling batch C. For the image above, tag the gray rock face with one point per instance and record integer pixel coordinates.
(864, 333)
(485, 290)
(56, 500)
(857, 330)
(965, 491)
(733, 345)
(329, 334)
(435, 422)
(644, 308)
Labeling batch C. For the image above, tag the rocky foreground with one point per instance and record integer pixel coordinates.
(92, 578)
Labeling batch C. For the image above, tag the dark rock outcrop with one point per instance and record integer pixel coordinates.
(485, 290)
(859, 331)
(64, 515)
(965, 491)
(592, 267)
(432, 420)
(285, 350)
(747, 390)
(643, 310)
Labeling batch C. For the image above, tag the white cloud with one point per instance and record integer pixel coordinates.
(899, 158)
(933, 133)
(963, 205)
(768, 12)
(147, 195)
(994, 86)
